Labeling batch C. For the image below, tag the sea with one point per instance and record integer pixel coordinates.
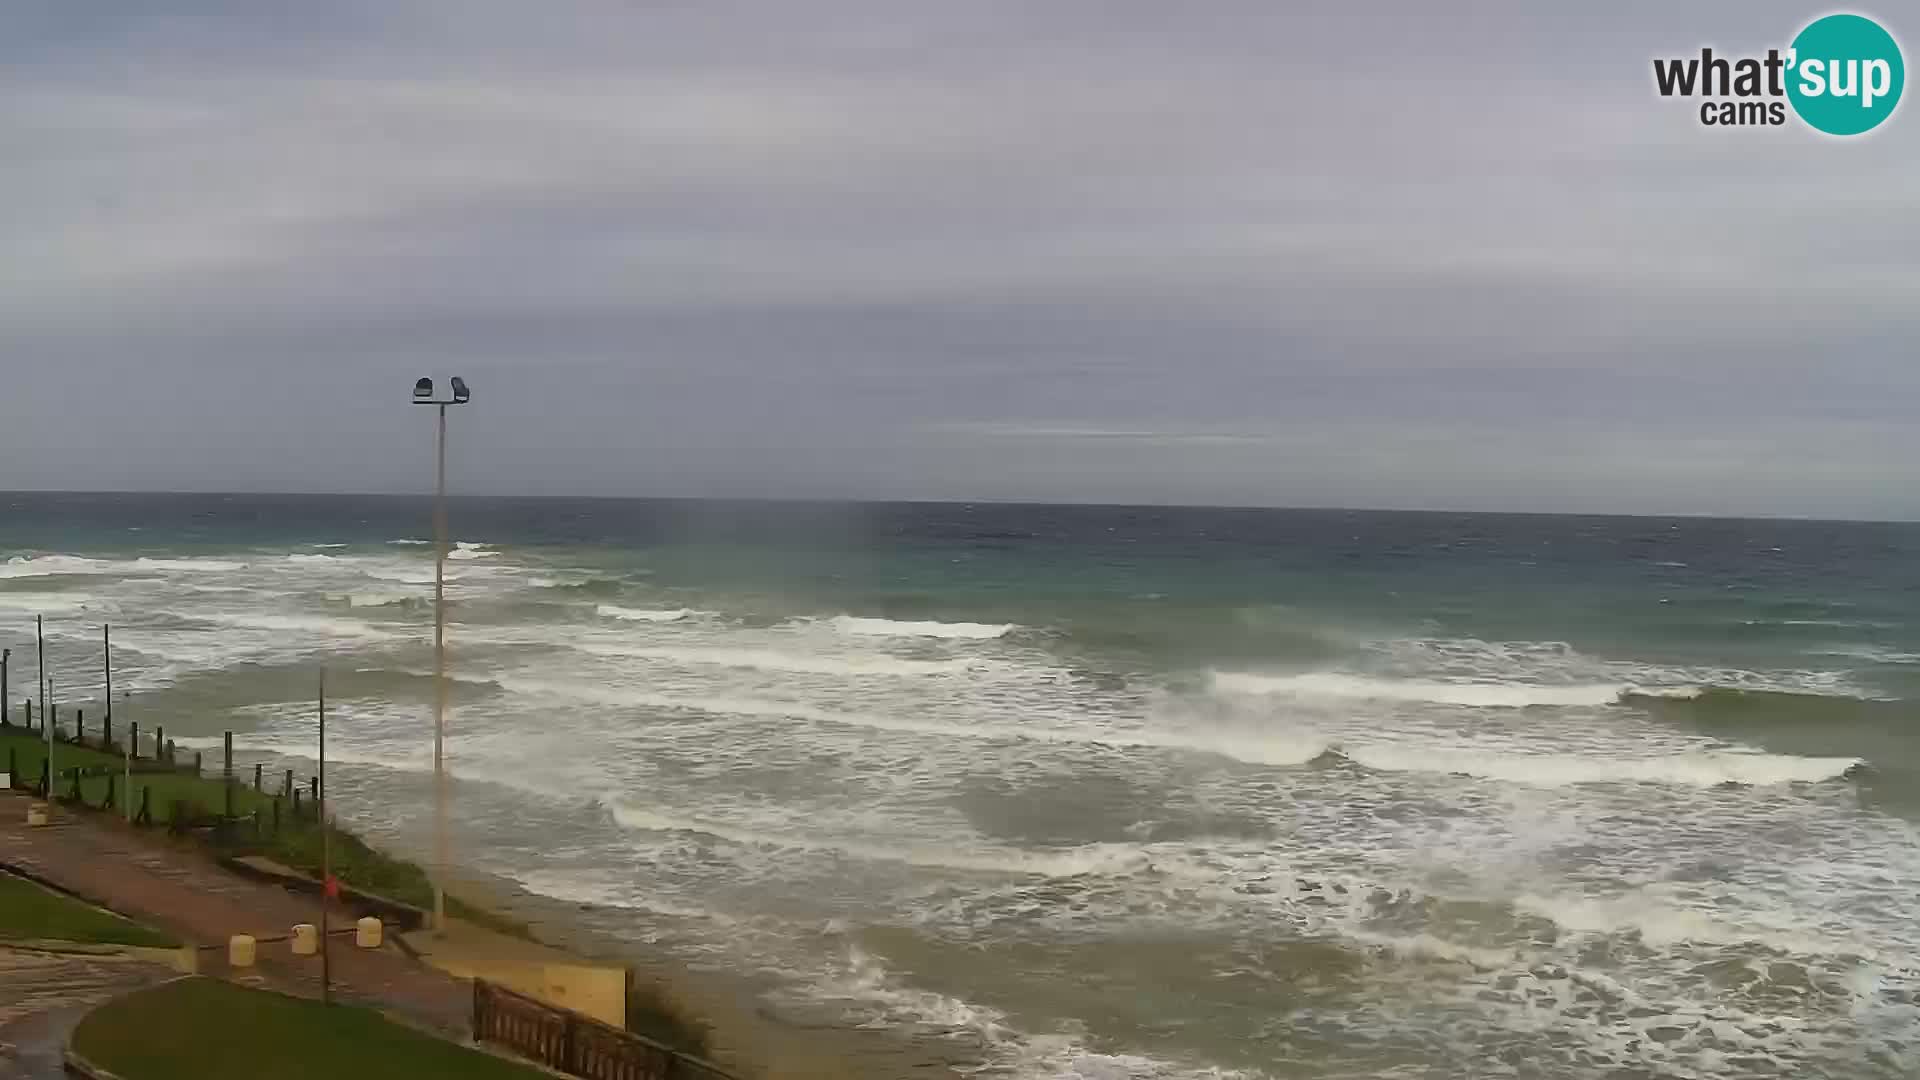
(1090, 791)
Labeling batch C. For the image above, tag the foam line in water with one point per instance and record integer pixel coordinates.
(627, 614)
(770, 660)
(43, 565)
(855, 624)
(1325, 684)
(210, 566)
(1251, 748)
(1101, 859)
(1704, 769)
(306, 624)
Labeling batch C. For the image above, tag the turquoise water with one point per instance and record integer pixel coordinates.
(1106, 791)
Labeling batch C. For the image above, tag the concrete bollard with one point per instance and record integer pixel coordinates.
(240, 951)
(36, 814)
(367, 933)
(306, 939)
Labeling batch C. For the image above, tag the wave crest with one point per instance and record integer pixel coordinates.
(874, 627)
(627, 614)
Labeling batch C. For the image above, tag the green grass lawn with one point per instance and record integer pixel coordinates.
(203, 1029)
(29, 912)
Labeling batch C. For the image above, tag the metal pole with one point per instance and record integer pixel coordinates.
(40, 644)
(440, 678)
(326, 846)
(6, 690)
(106, 660)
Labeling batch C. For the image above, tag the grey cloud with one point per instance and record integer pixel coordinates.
(864, 249)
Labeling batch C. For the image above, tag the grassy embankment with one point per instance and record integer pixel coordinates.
(296, 843)
(202, 1029)
(29, 912)
(652, 1011)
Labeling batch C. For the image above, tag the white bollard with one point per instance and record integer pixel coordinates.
(367, 933)
(36, 814)
(240, 949)
(306, 939)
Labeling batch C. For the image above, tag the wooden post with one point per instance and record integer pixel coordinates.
(198, 764)
(46, 778)
(256, 777)
(26, 713)
(106, 732)
(288, 789)
(226, 773)
(145, 816)
(79, 726)
(160, 745)
(133, 739)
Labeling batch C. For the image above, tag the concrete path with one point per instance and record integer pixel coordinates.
(182, 891)
(43, 996)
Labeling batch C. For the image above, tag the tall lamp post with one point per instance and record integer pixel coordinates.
(423, 395)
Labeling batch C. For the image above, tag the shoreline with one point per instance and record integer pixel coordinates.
(741, 1027)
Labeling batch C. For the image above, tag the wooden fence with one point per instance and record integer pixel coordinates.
(575, 1044)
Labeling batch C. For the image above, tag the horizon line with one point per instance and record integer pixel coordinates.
(858, 501)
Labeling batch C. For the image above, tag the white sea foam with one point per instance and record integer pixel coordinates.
(467, 550)
(405, 577)
(42, 565)
(311, 557)
(1700, 769)
(1659, 922)
(377, 598)
(770, 660)
(411, 542)
(1103, 859)
(188, 565)
(56, 603)
(1326, 684)
(627, 614)
(305, 624)
(1252, 747)
(854, 624)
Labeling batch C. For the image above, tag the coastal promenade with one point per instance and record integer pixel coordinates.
(186, 894)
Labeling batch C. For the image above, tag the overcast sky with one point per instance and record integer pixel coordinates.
(1261, 253)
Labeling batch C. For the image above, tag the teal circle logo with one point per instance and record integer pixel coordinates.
(1846, 74)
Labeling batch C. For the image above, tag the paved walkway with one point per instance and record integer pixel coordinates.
(185, 893)
(43, 996)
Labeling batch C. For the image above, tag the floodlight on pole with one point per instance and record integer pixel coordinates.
(423, 395)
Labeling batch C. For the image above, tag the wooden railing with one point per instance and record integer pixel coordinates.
(575, 1044)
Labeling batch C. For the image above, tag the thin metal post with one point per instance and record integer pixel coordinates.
(133, 734)
(46, 718)
(326, 847)
(440, 678)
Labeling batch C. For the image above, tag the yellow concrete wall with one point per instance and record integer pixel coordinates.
(599, 992)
